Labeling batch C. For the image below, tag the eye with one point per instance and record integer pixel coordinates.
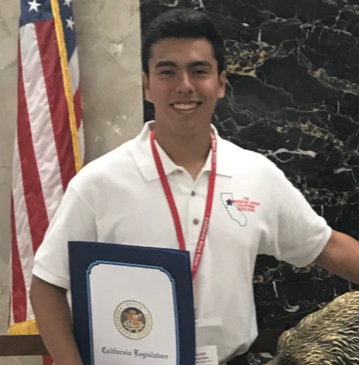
(200, 72)
(167, 72)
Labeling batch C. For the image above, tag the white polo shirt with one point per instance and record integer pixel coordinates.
(119, 199)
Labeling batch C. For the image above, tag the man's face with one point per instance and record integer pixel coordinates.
(183, 83)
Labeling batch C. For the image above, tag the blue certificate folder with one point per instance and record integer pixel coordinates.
(176, 263)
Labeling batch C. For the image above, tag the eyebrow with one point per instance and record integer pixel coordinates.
(174, 64)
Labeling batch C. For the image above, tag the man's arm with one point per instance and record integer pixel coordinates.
(53, 317)
(341, 256)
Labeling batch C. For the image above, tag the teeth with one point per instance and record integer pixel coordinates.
(185, 106)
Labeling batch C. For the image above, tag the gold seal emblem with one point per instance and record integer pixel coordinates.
(133, 320)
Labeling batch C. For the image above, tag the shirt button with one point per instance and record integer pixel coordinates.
(195, 221)
(193, 193)
(180, 171)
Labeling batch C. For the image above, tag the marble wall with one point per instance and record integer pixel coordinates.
(293, 96)
(109, 54)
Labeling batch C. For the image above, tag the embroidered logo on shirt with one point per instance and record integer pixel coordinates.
(235, 208)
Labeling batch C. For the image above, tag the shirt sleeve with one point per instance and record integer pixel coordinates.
(297, 234)
(73, 221)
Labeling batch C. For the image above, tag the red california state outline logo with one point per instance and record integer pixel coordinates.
(236, 208)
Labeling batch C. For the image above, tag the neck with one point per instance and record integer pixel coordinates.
(188, 150)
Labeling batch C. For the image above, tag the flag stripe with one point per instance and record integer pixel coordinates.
(78, 108)
(22, 228)
(75, 80)
(18, 291)
(82, 141)
(74, 71)
(40, 119)
(11, 309)
(47, 360)
(57, 100)
(34, 198)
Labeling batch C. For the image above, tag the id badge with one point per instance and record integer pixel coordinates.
(206, 355)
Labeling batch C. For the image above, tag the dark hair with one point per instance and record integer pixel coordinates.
(183, 23)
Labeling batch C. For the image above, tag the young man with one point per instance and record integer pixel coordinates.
(120, 198)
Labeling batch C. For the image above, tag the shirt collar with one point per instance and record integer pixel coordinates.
(143, 157)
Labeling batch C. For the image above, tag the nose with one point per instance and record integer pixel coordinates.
(185, 84)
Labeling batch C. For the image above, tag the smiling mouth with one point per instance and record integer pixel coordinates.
(186, 106)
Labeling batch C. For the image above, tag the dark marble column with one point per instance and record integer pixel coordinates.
(292, 95)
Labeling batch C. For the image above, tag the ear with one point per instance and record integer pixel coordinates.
(222, 78)
(146, 86)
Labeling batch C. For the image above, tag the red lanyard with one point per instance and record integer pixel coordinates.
(172, 204)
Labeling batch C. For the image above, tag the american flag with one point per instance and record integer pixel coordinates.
(49, 139)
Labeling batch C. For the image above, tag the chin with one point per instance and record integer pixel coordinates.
(184, 124)
(188, 127)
